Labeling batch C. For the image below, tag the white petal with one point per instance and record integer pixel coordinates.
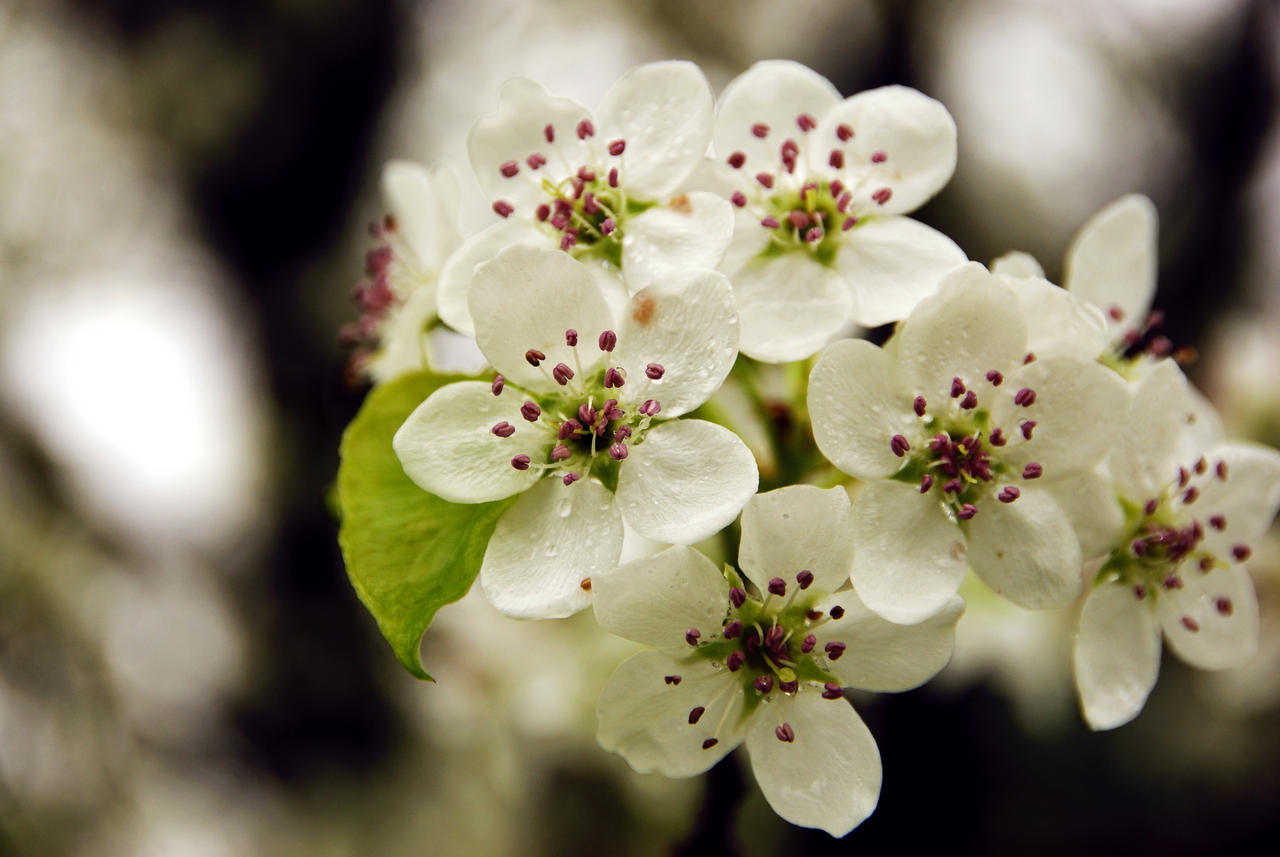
(404, 334)
(969, 327)
(1025, 550)
(686, 481)
(790, 306)
(646, 720)
(1203, 630)
(885, 656)
(1088, 499)
(794, 528)
(688, 325)
(909, 557)
(1116, 656)
(691, 232)
(459, 270)
(1113, 260)
(829, 776)
(527, 298)
(1015, 264)
(857, 403)
(663, 111)
(1079, 411)
(1248, 498)
(446, 446)
(425, 206)
(916, 134)
(657, 599)
(545, 545)
(1148, 451)
(516, 131)
(892, 263)
(750, 240)
(773, 93)
(1058, 323)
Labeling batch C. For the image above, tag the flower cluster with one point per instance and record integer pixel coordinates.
(1038, 436)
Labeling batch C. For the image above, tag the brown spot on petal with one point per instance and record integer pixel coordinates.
(642, 309)
(585, 584)
(681, 204)
(957, 551)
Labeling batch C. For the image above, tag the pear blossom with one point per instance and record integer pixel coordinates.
(398, 300)
(766, 667)
(581, 423)
(958, 429)
(606, 188)
(820, 185)
(1175, 566)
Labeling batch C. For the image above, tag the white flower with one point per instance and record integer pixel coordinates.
(731, 665)
(398, 300)
(1175, 564)
(957, 427)
(820, 184)
(603, 187)
(582, 411)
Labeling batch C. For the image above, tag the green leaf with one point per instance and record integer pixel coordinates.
(408, 553)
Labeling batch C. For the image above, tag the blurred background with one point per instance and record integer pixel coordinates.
(184, 669)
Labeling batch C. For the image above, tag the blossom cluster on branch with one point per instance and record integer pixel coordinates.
(1042, 437)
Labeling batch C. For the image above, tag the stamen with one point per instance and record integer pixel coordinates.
(735, 660)
(530, 411)
(696, 714)
(836, 159)
(837, 612)
(608, 340)
(1189, 496)
(770, 222)
(952, 486)
(807, 644)
(806, 122)
(586, 129)
(542, 212)
(618, 451)
(785, 733)
(919, 406)
(1190, 624)
(849, 223)
(622, 433)
(1223, 605)
(732, 630)
(1008, 494)
(571, 338)
(997, 437)
(1025, 397)
(498, 383)
(882, 195)
(617, 147)
(764, 683)
(1140, 591)
(1241, 552)
(957, 388)
(1218, 522)
(1152, 505)
(650, 407)
(570, 478)
(613, 177)
(567, 241)
(503, 208)
(878, 157)
(788, 687)
(560, 452)
(1201, 466)
(760, 130)
(1220, 470)
(520, 462)
(777, 586)
(654, 371)
(535, 160)
(995, 378)
(607, 227)
(672, 679)
(504, 429)
(970, 401)
(1032, 471)
(1025, 427)
(550, 133)
(805, 578)
(509, 168)
(737, 596)
(534, 356)
(834, 650)
(844, 133)
(966, 511)
(1183, 477)
(765, 179)
(691, 636)
(814, 235)
(613, 378)
(709, 743)
(1030, 358)
(831, 690)
(739, 198)
(568, 429)
(899, 445)
(737, 159)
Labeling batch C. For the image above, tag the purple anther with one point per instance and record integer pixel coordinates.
(966, 511)
(764, 683)
(970, 401)
(586, 129)
(696, 714)
(836, 158)
(844, 133)
(773, 638)
(1223, 605)
(589, 204)
(709, 743)
(1026, 426)
(1172, 582)
(806, 122)
(1030, 358)
(560, 221)
(691, 636)
(834, 650)
(785, 733)
(1189, 496)
(503, 208)
(882, 195)
(1220, 470)
(650, 407)
(1026, 397)
(1190, 624)
(654, 371)
(790, 148)
(530, 411)
(550, 133)
(737, 596)
(520, 462)
(1241, 552)
(1032, 471)
(777, 586)
(1139, 591)
(770, 222)
(831, 690)
(608, 340)
(926, 482)
(732, 630)
(737, 159)
(837, 612)
(1183, 477)
(1138, 547)
(878, 157)
(1152, 505)
(560, 452)
(1218, 522)
(1201, 466)
(804, 578)
(617, 147)
(607, 227)
(613, 378)
(735, 660)
(849, 223)
(765, 179)
(568, 429)
(789, 687)
(618, 451)
(739, 198)
(586, 175)
(570, 478)
(498, 383)
(509, 168)
(813, 235)
(799, 219)
(535, 160)
(952, 486)
(503, 429)
(807, 644)
(919, 406)
(995, 378)
(586, 415)
(571, 338)
(899, 445)
(760, 130)
(957, 388)
(567, 241)
(621, 433)
(671, 679)
(542, 212)
(1008, 494)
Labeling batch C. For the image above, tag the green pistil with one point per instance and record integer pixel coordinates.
(591, 241)
(822, 209)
